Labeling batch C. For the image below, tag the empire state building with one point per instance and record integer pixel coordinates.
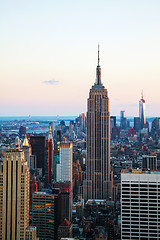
(98, 183)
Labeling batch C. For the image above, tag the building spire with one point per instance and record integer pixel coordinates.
(98, 71)
(50, 137)
(98, 54)
(142, 93)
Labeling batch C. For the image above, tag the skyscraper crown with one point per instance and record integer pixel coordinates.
(98, 84)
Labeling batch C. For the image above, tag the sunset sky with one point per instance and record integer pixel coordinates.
(48, 55)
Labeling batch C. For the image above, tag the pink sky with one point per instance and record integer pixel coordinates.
(57, 41)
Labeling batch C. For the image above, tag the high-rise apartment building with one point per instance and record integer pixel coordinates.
(140, 205)
(64, 168)
(142, 113)
(98, 183)
(14, 195)
(43, 214)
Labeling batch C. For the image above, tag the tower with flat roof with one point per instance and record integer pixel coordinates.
(140, 205)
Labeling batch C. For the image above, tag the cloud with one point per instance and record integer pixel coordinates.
(51, 82)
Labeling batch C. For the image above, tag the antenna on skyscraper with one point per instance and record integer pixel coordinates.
(142, 93)
(98, 54)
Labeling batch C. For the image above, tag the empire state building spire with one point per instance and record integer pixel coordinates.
(98, 84)
(98, 55)
(98, 71)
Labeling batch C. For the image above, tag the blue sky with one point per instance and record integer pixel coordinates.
(49, 55)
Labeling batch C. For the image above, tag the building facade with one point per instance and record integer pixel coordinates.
(38, 145)
(149, 162)
(66, 197)
(64, 168)
(43, 214)
(140, 205)
(31, 233)
(98, 183)
(14, 196)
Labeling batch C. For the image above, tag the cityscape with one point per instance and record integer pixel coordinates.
(88, 177)
(80, 120)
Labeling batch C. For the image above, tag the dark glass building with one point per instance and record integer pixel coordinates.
(38, 144)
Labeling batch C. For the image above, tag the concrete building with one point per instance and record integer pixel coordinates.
(140, 205)
(14, 196)
(98, 183)
(64, 168)
(65, 230)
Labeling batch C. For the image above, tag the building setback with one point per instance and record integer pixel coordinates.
(98, 183)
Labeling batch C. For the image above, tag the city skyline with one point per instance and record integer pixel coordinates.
(49, 52)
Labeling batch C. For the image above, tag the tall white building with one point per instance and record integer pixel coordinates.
(140, 205)
(64, 168)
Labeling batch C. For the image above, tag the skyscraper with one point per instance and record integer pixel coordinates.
(65, 199)
(123, 120)
(142, 113)
(14, 195)
(38, 145)
(98, 183)
(140, 205)
(64, 168)
(137, 124)
(43, 214)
